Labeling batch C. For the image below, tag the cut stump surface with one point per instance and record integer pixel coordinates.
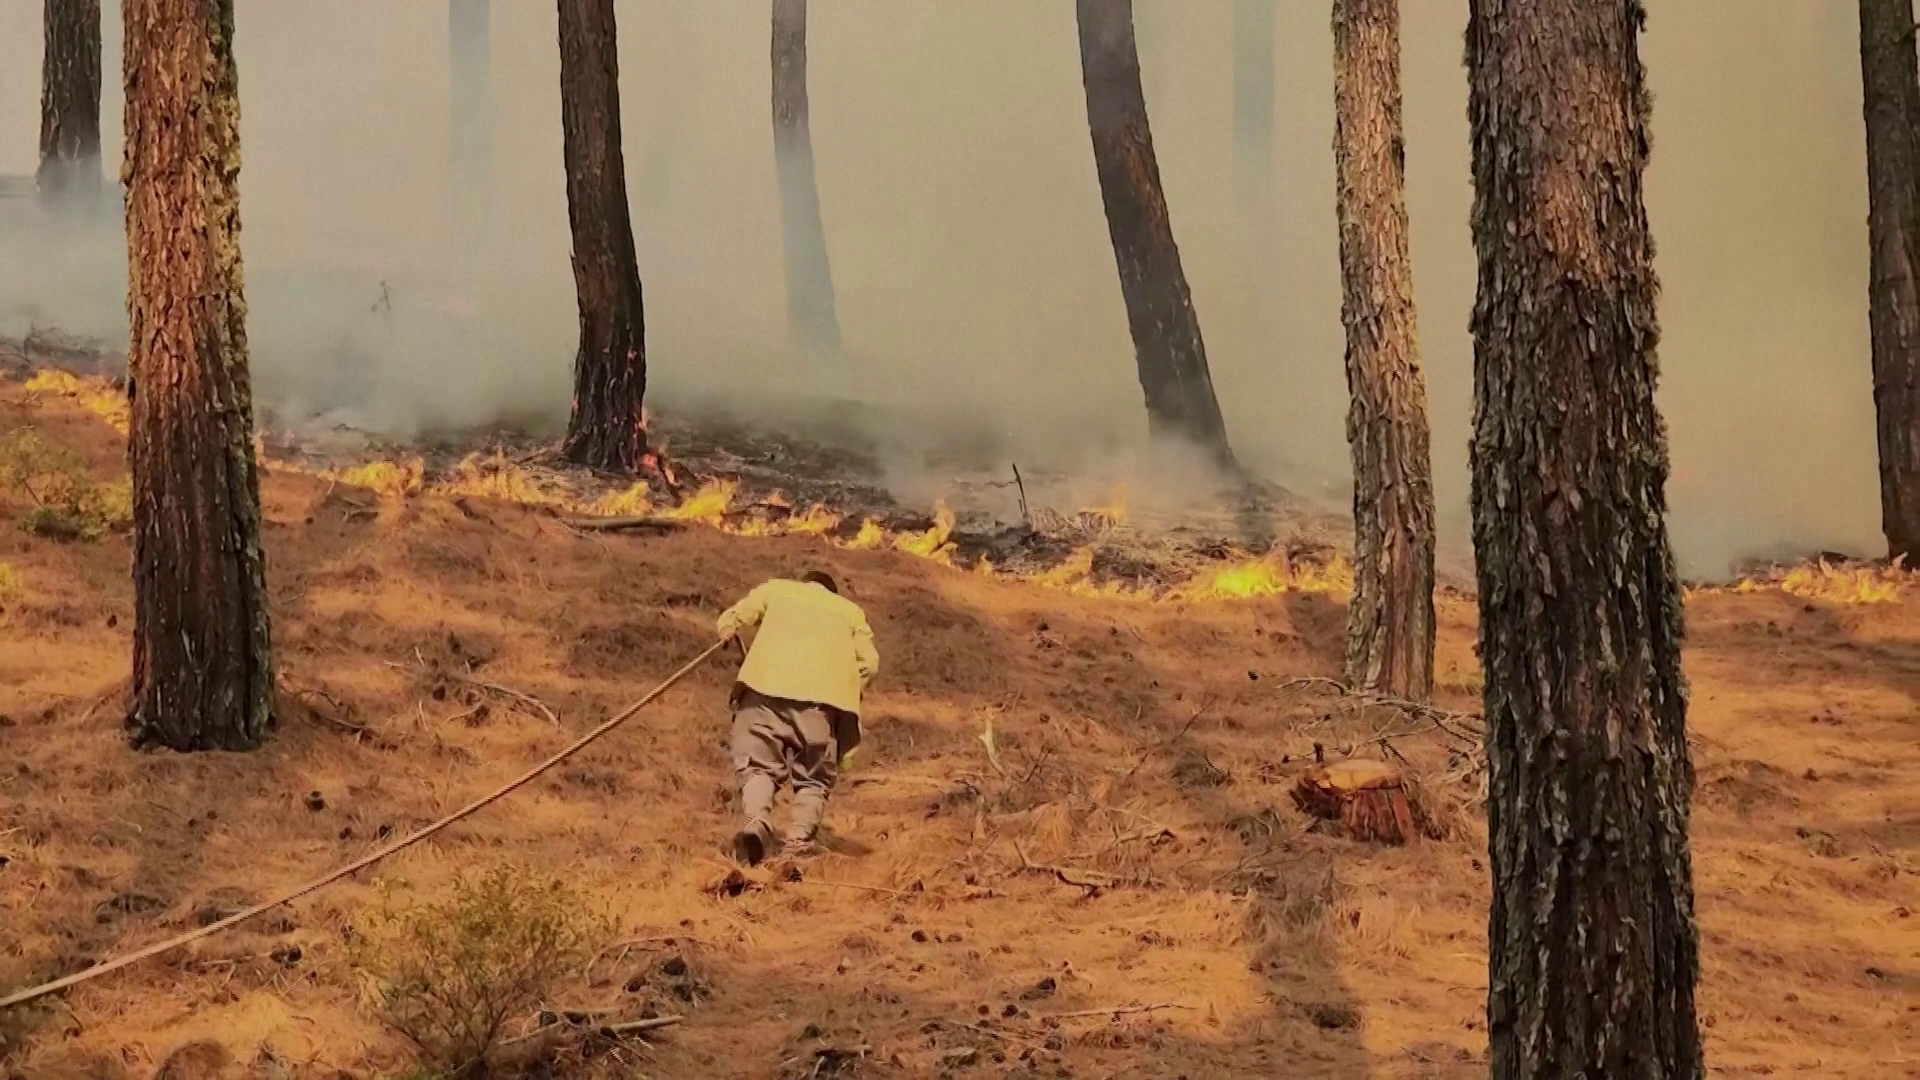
(1368, 797)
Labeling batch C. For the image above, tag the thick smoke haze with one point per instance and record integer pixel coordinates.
(975, 283)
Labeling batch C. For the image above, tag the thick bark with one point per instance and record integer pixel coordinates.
(469, 46)
(1390, 619)
(1892, 107)
(202, 671)
(811, 315)
(70, 99)
(608, 428)
(1593, 950)
(1168, 350)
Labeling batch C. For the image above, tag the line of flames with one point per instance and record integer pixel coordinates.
(713, 504)
(1246, 576)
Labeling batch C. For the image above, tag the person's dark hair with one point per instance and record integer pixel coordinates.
(822, 579)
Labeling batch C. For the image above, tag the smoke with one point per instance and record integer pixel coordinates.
(975, 287)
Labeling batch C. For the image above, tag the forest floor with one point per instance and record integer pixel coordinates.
(1142, 748)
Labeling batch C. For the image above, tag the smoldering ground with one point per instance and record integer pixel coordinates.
(974, 284)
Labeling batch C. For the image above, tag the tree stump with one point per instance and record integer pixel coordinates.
(1368, 797)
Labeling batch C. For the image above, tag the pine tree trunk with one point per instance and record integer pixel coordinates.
(202, 669)
(608, 428)
(469, 66)
(811, 315)
(1888, 74)
(1390, 619)
(1593, 950)
(1167, 346)
(70, 101)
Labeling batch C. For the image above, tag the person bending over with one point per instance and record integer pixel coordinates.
(796, 703)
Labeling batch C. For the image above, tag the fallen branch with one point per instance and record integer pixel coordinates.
(1440, 717)
(1020, 1037)
(1123, 1010)
(579, 1020)
(907, 893)
(1078, 878)
(510, 692)
(639, 1027)
(1463, 726)
(358, 730)
(1164, 743)
(624, 524)
(586, 974)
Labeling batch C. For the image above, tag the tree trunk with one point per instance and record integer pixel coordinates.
(70, 101)
(1593, 951)
(1167, 347)
(811, 317)
(202, 670)
(1390, 619)
(469, 48)
(1888, 74)
(608, 427)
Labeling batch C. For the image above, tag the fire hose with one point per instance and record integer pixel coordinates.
(21, 997)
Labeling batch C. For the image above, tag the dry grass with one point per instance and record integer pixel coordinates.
(1127, 840)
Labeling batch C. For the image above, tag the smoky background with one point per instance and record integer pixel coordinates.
(975, 287)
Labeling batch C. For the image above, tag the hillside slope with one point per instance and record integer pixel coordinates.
(1147, 747)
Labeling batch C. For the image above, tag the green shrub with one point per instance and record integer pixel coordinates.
(67, 504)
(450, 976)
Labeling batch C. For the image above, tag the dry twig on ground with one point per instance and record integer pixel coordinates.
(1464, 727)
(1164, 743)
(1121, 1010)
(1083, 879)
(510, 692)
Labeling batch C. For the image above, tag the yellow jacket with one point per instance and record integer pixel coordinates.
(813, 645)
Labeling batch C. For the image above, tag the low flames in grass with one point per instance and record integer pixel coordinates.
(1836, 584)
(718, 504)
(96, 395)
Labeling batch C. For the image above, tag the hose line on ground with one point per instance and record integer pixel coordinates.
(21, 997)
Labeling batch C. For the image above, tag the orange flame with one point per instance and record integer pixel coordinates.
(931, 544)
(1846, 585)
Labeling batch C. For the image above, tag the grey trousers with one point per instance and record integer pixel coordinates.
(775, 742)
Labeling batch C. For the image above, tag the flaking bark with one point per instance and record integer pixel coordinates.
(202, 664)
(1390, 619)
(1593, 950)
(1168, 350)
(811, 314)
(70, 100)
(607, 429)
(1892, 109)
